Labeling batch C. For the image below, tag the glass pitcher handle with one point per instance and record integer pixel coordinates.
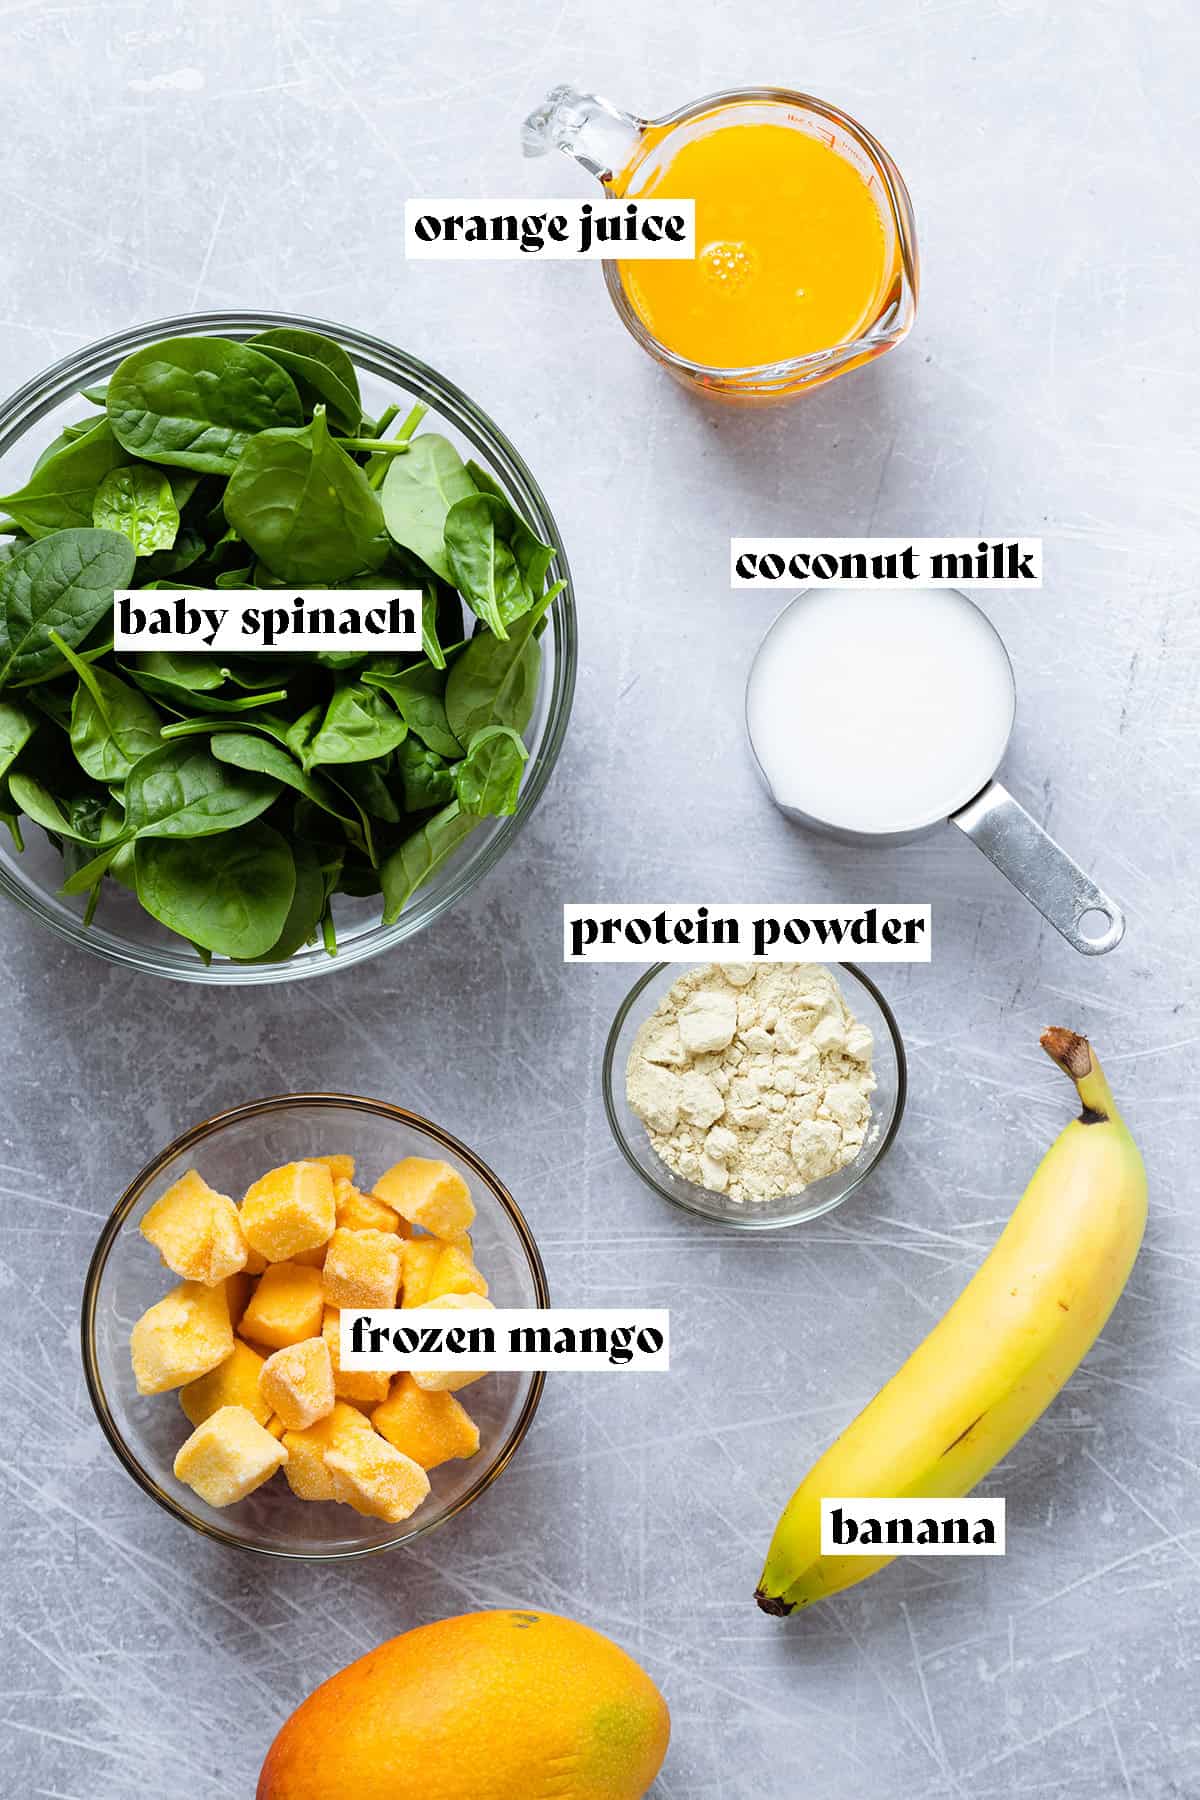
(597, 134)
(1000, 827)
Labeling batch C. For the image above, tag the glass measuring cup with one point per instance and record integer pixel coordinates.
(934, 705)
(627, 153)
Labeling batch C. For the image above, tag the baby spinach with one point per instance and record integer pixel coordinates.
(261, 756)
(417, 693)
(420, 855)
(305, 507)
(61, 491)
(62, 583)
(238, 795)
(139, 501)
(428, 779)
(418, 491)
(35, 800)
(309, 899)
(17, 726)
(359, 726)
(181, 790)
(320, 368)
(494, 681)
(195, 402)
(232, 896)
(488, 779)
(112, 725)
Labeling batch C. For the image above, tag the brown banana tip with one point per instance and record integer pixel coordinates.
(1072, 1053)
(774, 1604)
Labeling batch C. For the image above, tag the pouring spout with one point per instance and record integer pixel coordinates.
(599, 136)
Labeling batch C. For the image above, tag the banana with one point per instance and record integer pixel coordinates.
(993, 1364)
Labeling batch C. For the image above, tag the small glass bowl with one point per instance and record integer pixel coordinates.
(887, 1109)
(126, 1276)
(121, 932)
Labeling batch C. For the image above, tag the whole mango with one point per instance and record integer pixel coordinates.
(486, 1706)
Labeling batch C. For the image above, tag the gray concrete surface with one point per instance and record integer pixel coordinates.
(167, 156)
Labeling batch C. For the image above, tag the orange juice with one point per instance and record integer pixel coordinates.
(793, 255)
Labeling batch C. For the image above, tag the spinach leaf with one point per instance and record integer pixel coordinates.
(532, 556)
(184, 674)
(232, 896)
(61, 583)
(417, 695)
(112, 725)
(181, 790)
(34, 799)
(489, 779)
(309, 901)
(17, 726)
(367, 787)
(418, 491)
(61, 490)
(305, 507)
(261, 756)
(482, 565)
(494, 681)
(187, 682)
(427, 777)
(158, 568)
(320, 369)
(420, 855)
(195, 402)
(139, 501)
(358, 726)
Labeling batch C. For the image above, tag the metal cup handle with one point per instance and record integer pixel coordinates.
(1040, 869)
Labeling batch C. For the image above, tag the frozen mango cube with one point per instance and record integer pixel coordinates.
(419, 1259)
(368, 1385)
(428, 1193)
(362, 1268)
(455, 1273)
(196, 1231)
(181, 1338)
(276, 1426)
(297, 1383)
(448, 1381)
(431, 1428)
(256, 1262)
(376, 1479)
(233, 1382)
(341, 1167)
(363, 1212)
(289, 1209)
(228, 1456)
(307, 1475)
(285, 1307)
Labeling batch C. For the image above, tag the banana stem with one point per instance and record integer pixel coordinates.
(1079, 1062)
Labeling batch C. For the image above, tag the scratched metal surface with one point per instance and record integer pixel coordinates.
(165, 156)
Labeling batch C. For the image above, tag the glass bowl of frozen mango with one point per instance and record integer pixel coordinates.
(211, 1317)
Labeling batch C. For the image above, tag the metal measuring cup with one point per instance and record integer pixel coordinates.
(997, 824)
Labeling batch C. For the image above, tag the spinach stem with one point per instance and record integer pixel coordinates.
(378, 466)
(328, 933)
(373, 446)
(384, 420)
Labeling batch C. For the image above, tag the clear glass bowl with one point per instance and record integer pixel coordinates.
(122, 932)
(887, 1108)
(126, 1276)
